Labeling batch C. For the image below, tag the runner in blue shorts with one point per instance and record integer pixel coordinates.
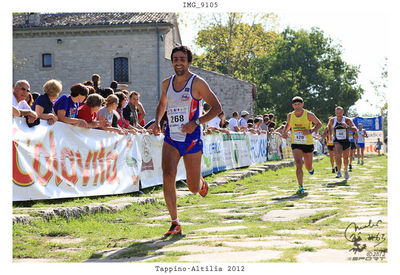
(181, 96)
(362, 134)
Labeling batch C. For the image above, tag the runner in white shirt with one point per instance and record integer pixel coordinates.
(181, 96)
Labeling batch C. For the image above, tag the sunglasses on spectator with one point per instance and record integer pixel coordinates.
(25, 89)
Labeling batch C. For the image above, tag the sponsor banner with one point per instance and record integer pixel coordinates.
(149, 158)
(286, 148)
(369, 123)
(258, 147)
(238, 146)
(213, 153)
(274, 150)
(62, 161)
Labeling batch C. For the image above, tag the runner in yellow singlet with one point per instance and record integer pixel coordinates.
(300, 122)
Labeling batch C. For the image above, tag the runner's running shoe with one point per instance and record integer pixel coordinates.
(362, 162)
(311, 172)
(301, 190)
(175, 229)
(339, 174)
(204, 189)
(350, 167)
(346, 175)
(358, 161)
(333, 170)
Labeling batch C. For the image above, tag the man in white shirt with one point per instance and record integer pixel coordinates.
(243, 121)
(20, 92)
(233, 122)
(214, 123)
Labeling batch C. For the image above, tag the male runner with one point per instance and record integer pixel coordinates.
(339, 126)
(181, 96)
(300, 122)
(352, 139)
(331, 148)
(362, 134)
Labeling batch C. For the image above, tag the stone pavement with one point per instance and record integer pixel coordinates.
(229, 240)
(27, 214)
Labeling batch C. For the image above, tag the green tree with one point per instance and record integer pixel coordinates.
(229, 43)
(309, 65)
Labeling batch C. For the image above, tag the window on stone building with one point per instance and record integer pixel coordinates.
(47, 61)
(121, 71)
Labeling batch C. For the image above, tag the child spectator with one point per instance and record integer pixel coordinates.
(107, 113)
(43, 105)
(122, 122)
(88, 111)
(66, 107)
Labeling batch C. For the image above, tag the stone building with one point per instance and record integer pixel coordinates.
(131, 48)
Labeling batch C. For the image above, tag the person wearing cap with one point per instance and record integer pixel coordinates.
(243, 120)
(300, 122)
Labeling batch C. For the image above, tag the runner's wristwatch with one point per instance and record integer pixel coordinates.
(197, 121)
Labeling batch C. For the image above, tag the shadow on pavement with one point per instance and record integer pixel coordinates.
(290, 198)
(137, 251)
(335, 184)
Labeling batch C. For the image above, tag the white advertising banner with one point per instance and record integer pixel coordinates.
(62, 161)
(213, 154)
(274, 143)
(237, 148)
(149, 160)
(258, 147)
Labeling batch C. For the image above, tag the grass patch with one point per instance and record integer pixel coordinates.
(127, 228)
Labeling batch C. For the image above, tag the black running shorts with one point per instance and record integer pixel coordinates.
(345, 143)
(304, 147)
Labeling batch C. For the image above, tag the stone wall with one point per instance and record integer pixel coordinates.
(79, 56)
(234, 94)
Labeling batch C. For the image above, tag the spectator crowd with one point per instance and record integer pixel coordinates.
(117, 110)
